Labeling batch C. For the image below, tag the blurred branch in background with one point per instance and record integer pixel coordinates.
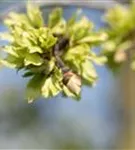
(124, 1)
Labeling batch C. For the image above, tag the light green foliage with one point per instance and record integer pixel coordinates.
(121, 31)
(56, 21)
(32, 47)
(52, 85)
(35, 15)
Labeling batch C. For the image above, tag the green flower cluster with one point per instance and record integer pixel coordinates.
(57, 55)
(121, 31)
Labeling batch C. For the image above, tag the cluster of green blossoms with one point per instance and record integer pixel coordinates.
(57, 55)
(121, 36)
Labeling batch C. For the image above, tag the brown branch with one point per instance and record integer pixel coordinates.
(58, 51)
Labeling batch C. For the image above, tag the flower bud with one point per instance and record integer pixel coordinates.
(120, 56)
(73, 82)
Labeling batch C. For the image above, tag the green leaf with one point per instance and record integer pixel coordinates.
(21, 37)
(75, 56)
(46, 38)
(50, 65)
(88, 72)
(10, 50)
(21, 51)
(51, 86)
(27, 74)
(117, 15)
(7, 63)
(69, 93)
(80, 29)
(79, 34)
(46, 68)
(109, 46)
(33, 90)
(94, 38)
(12, 62)
(98, 59)
(55, 17)
(18, 20)
(56, 21)
(78, 53)
(35, 15)
(35, 49)
(33, 59)
(73, 18)
(60, 28)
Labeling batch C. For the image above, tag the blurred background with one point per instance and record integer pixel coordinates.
(103, 119)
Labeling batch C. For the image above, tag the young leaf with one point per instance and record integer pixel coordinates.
(80, 29)
(51, 86)
(35, 15)
(12, 61)
(60, 27)
(98, 59)
(27, 74)
(19, 20)
(35, 49)
(73, 18)
(33, 90)
(55, 17)
(88, 72)
(69, 93)
(10, 50)
(33, 59)
(94, 38)
(79, 53)
(46, 38)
